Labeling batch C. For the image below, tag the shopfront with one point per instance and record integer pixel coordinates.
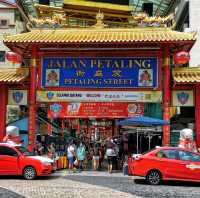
(89, 78)
(185, 102)
(90, 94)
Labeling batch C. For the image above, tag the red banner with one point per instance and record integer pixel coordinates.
(95, 109)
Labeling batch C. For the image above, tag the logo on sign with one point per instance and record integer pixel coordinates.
(55, 108)
(183, 97)
(73, 107)
(50, 95)
(132, 108)
(17, 96)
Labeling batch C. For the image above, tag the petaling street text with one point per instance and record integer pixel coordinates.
(74, 81)
(102, 63)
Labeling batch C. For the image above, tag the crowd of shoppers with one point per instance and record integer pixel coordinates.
(80, 155)
(83, 155)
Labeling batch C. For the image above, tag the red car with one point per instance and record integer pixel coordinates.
(16, 160)
(166, 163)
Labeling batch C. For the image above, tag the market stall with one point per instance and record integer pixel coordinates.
(142, 126)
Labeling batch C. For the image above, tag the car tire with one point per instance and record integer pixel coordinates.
(29, 173)
(154, 177)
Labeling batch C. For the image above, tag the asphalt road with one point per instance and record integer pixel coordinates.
(5, 193)
(94, 185)
(138, 186)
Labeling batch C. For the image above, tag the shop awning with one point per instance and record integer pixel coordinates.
(13, 75)
(142, 121)
(22, 124)
(104, 35)
(186, 75)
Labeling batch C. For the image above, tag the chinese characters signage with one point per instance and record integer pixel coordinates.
(99, 96)
(100, 72)
(95, 109)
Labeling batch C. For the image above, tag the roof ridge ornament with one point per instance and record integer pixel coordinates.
(57, 20)
(143, 20)
(99, 17)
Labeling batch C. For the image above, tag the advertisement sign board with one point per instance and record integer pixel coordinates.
(95, 110)
(99, 96)
(100, 72)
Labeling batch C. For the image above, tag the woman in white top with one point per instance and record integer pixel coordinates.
(71, 155)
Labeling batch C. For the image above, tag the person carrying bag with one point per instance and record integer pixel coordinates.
(111, 155)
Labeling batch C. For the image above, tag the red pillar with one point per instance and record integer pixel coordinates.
(32, 99)
(197, 115)
(3, 107)
(166, 96)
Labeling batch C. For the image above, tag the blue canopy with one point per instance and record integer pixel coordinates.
(142, 121)
(22, 124)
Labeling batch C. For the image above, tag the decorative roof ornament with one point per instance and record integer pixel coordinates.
(99, 18)
(57, 20)
(143, 20)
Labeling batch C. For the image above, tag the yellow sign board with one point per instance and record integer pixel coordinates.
(99, 96)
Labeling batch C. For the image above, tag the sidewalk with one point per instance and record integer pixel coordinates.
(91, 173)
(88, 184)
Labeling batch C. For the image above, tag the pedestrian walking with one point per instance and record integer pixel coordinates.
(81, 154)
(39, 148)
(101, 155)
(51, 151)
(111, 154)
(95, 158)
(71, 155)
(52, 154)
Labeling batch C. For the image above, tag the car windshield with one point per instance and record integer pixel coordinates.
(24, 151)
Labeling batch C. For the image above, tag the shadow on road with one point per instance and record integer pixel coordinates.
(170, 183)
(11, 177)
(5, 193)
(123, 184)
(139, 187)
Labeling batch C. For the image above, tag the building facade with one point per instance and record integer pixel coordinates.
(99, 71)
(186, 16)
(10, 23)
(75, 70)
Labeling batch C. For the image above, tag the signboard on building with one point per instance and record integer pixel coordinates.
(17, 97)
(95, 110)
(183, 98)
(99, 96)
(100, 72)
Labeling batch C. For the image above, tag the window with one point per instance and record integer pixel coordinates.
(188, 156)
(2, 56)
(184, 155)
(169, 154)
(7, 151)
(195, 158)
(4, 23)
(24, 151)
